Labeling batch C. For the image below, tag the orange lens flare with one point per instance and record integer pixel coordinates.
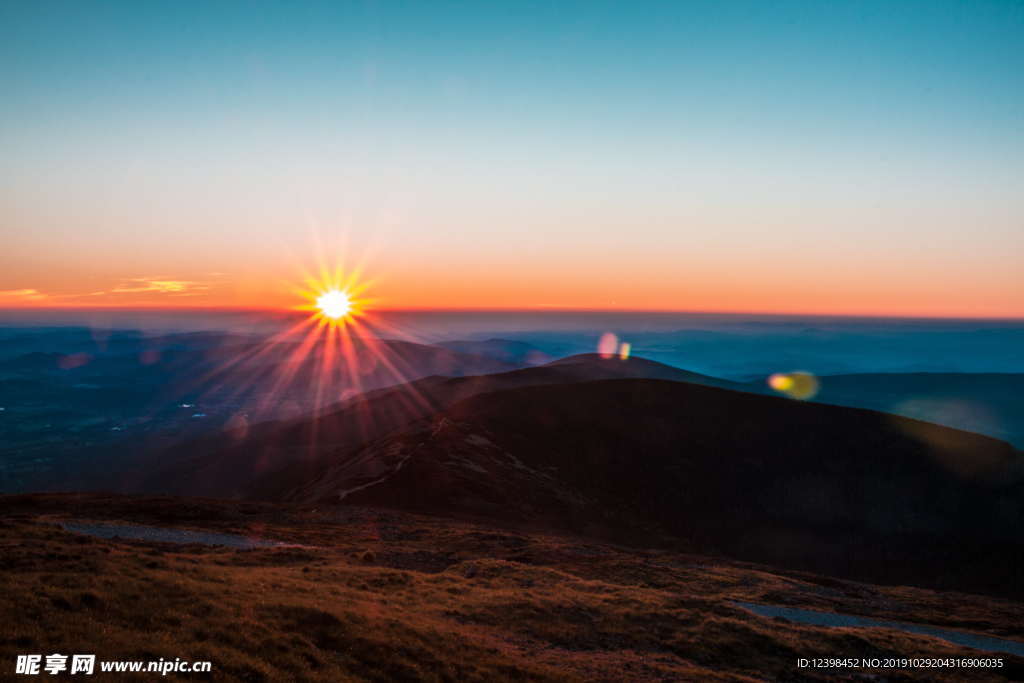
(798, 385)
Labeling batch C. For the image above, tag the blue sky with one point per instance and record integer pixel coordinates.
(764, 150)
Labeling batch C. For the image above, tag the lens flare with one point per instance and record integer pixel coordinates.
(607, 345)
(799, 385)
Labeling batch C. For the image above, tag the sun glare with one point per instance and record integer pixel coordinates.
(334, 350)
(334, 304)
(334, 298)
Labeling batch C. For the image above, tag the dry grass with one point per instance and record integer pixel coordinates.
(387, 596)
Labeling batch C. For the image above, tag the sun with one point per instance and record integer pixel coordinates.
(333, 298)
(334, 304)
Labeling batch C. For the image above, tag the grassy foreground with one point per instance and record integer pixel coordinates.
(380, 595)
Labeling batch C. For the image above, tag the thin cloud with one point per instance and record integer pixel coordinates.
(159, 285)
(22, 295)
(156, 285)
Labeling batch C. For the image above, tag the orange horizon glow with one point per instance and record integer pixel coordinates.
(428, 286)
(435, 289)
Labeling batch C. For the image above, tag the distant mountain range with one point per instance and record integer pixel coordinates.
(506, 350)
(987, 403)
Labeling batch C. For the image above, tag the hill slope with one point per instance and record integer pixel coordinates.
(271, 457)
(804, 484)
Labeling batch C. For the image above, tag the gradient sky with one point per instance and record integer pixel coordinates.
(840, 157)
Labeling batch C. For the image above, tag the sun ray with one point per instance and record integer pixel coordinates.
(336, 350)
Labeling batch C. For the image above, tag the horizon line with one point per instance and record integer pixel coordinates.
(276, 311)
